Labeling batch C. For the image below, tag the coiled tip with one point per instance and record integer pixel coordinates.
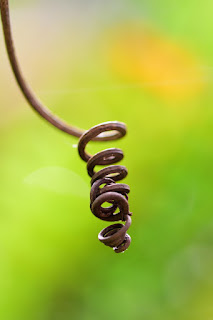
(104, 186)
(115, 236)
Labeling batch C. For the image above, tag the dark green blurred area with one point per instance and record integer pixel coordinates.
(52, 265)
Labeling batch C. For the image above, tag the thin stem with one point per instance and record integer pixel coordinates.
(30, 96)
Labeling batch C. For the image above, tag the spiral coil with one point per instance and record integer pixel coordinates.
(104, 188)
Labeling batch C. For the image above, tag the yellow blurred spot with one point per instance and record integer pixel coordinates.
(151, 59)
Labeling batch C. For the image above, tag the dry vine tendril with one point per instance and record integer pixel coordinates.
(104, 188)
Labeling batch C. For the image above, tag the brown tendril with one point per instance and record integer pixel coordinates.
(104, 188)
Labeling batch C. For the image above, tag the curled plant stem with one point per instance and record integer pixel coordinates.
(30, 96)
(104, 186)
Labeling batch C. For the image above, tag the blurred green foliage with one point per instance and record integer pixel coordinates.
(51, 263)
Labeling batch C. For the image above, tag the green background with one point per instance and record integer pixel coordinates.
(52, 265)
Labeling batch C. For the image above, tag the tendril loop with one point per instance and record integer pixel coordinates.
(105, 189)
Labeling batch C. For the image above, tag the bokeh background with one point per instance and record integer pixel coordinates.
(144, 62)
